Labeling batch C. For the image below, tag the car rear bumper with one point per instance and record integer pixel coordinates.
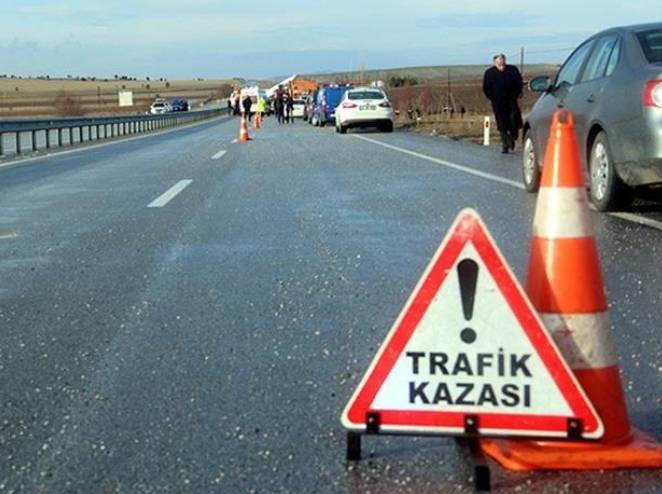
(641, 172)
(637, 148)
(365, 122)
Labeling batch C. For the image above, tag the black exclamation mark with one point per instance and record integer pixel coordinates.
(467, 273)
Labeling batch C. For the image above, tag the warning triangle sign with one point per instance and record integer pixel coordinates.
(469, 345)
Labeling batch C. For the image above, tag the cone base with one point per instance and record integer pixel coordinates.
(639, 451)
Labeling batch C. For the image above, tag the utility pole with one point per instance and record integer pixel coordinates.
(521, 60)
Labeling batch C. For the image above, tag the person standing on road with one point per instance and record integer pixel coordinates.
(279, 106)
(237, 103)
(502, 85)
(289, 107)
(261, 106)
(246, 104)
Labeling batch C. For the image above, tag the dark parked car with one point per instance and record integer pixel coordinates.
(612, 83)
(179, 104)
(309, 102)
(324, 109)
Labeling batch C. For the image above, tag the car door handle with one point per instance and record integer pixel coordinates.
(591, 98)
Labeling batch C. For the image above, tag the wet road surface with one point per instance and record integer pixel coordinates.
(208, 343)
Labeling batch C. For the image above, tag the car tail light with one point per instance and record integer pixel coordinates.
(349, 105)
(385, 104)
(653, 94)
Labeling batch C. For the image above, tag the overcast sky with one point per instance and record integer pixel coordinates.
(265, 38)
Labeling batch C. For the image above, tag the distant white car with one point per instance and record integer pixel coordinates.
(298, 106)
(364, 107)
(159, 107)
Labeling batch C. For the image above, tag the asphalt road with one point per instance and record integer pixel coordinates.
(207, 339)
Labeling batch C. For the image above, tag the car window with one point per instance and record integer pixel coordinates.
(366, 95)
(597, 62)
(651, 43)
(570, 71)
(613, 59)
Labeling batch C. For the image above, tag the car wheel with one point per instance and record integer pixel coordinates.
(530, 167)
(387, 127)
(343, 129)
(607, 190)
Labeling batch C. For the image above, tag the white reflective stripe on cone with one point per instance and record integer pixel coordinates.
(583, 339)
(562, 212)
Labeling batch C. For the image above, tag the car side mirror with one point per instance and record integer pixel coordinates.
(540, 84)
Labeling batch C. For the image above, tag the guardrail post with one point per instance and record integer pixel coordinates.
(34, 140)
(71, 136)
(48, 138)
(59, 137)
(2, 151)
(18, 142)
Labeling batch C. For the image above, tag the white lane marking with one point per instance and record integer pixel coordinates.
(113, 141)
(234, 141)
(218, 155)
(8, 236)
(169, 194)
(640, 220)
(455, 166)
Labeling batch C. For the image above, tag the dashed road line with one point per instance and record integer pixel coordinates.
(58, 152)
(218, 155)
(169, 194)
(634, 218)
(234, 141)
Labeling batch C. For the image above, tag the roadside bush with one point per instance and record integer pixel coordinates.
(399, 81)
(223, 91)
(67, 105)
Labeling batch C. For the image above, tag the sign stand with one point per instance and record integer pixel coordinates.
(469, 442)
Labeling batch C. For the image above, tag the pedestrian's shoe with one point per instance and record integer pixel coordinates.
(504, 150)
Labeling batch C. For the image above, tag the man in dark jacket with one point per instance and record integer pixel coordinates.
(502, 84)
(246, 104)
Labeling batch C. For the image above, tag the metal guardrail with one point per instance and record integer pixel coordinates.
(58, 132)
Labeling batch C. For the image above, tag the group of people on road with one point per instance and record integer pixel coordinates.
(283, 107)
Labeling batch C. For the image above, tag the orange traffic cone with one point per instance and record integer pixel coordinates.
(243, 130)
(565, 285)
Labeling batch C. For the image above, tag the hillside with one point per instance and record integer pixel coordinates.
(423, 74)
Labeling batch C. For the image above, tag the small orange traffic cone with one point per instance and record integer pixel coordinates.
(243, 130)
(565, 285)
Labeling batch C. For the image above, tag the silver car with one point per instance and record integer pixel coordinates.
(612, 83)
